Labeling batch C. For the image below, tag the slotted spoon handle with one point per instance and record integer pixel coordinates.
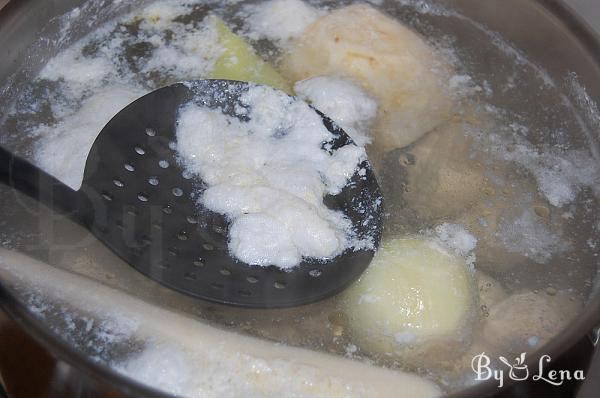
(36, 183)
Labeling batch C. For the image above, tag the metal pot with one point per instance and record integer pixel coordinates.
(548, 31)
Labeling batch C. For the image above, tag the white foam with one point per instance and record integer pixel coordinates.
(281, 20)
(93, 88)
(343, 101)
(560, 175)
(63, 148)
(190, 55)
(463, 86)
(164, 365)
(457, 239)
(528, 235)
(82, 73)
(161, 15)
(269, 176)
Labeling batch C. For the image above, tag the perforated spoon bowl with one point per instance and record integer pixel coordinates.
(139, 201)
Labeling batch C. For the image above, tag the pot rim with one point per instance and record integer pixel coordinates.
(558, 345)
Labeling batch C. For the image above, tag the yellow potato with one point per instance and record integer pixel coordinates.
(490, 293)
(239, 61)
(414, 292)
(392, 62)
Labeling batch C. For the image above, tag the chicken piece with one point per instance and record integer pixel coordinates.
(527, 320)
(441, 177)
(513, 229)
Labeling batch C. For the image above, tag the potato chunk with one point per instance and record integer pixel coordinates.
(413, 292)
(442, 178)
(527, 320)
(393, 63)
(239, 61)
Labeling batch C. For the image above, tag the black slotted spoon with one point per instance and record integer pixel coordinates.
(138, 200)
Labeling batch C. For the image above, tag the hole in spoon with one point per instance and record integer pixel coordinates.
(199, 262)
(315, 273)
(163, 164)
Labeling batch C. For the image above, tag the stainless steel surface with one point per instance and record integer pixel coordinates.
(591, 387)
(589, 11)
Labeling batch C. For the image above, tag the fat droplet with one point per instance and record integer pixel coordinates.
(542, 211)
(489, 191)
(484, 311)
(338, 318)
(338, 330)
(550, 291)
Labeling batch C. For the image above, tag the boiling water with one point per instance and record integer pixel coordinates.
(511, 170)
